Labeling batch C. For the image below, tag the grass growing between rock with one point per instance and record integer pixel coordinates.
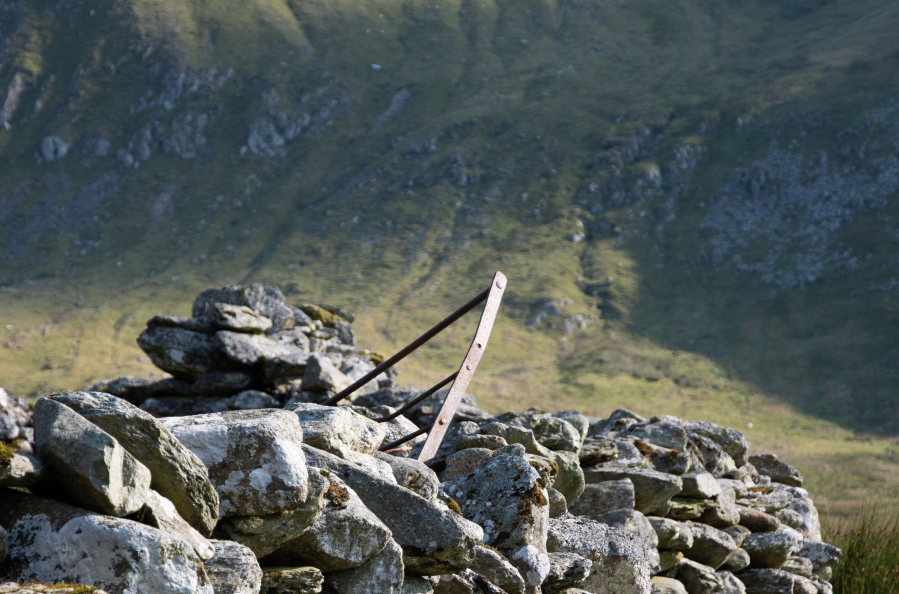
(870, 543)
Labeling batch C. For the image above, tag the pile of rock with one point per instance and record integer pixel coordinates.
(293, 496)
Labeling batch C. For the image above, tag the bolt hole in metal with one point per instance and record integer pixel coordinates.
(460, 379)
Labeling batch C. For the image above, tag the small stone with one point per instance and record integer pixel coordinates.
(775, 581)
(597, 450)
(322, 375)
(557, 503)
(465, 461)
(731, 441)
(732, 585)
(336, 429)
(566, 570)
(738, 560)
(160, 513)
(799, 566)
(652, 489)
(22, 471)
(496, 569)
(711, 546)
(291, 580)
(738, 533)
(601, 498)
(252, 400)
(756, 520)
(772, 549)
(221, 383)
(700, 484)
(382, 574)
(183, 353)
(821, 554)
(632, 522)
(413, 475)
(770, 465)
(238, 318)
(669, 560)
(233, 569)
(664, 585)
(699, 579)
(687, 508)
(672, 534)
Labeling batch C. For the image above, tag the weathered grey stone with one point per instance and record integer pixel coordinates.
(23, 470)
(629, 455)
(619, 420)
(265, 534)
(253, 456)
(89, 463)
(566, 570)
(632, 522)
(557, 503)
(176, 473)
(489, 442)
(597, 450)
(757, 521)
(265, 301)
(731, 441)
(775, 581)
(698, 578)
(191, 324)
(183, 353)
(505, 498)
(238, 318)
(160, 513)
(789, 517)
(652, 489)
(821, 554)
(569, 479)
(664, 459)
(666, 435)
(672, 534)
(620, 561)
(252, 400)
(738, 533)
(253, 350)
(515, 434)
(337, 429)
(772, 549)
(669, 560)
(291, 580)
(781, 472)
(497, 570)
(700, 484)
(178, 406)
(53, 542)
(688, 508)
(802, 504)
(711, 546)
(799, 566)
(322, 375)
(465, 582)
(732, 585)
(221, 383)
(416, 584)
(578, 420)
(434, 540)
(382, 574)
(600, 498)
(722, 511)
(770, 497)
(664, 585)
(554, 433)
(413, 475)
(462, 462)
(233, 569)
(345, 535)
(738, 560)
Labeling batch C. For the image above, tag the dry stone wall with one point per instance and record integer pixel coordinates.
(229, 476)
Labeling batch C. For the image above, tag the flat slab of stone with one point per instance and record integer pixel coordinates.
(89, 463)
(183, 353)
(254, 458)
(652, 489)
(600, 498)
(770, 465)
(382, 574)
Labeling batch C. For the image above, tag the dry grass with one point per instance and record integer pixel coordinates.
(870, 543)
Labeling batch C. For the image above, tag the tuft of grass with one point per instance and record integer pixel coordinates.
(6, 454)
(870, 543)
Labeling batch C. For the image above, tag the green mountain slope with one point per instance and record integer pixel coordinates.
(692, 199)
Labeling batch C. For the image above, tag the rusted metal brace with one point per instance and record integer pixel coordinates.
(436, 431)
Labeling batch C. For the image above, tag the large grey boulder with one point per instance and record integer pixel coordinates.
(183, 353)
(53, 542)
(711, 546)
(621, 563)
(337, 429)
(176, 473)
(652, 490)
(345, 535)
(672, 534)
(382, 574)
(497, 570)
(266, 534)
(254, 458)
(772, 549)
(731, 441)
(434, 540)
(233, 569)
(265, 301)
(770, 465)
(91, 465)
(160, 513)
(23, 469)
(821, 554)
(600, 498)
(505, 497)
(291, 580)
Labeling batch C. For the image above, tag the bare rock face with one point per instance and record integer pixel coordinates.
(345, 535)
(89, 463)
(254, 458)
(264, 301)
(505, 497)
(434, 540)
(291, 580)
(337, 429)
(382, 574)
(621, 562)
(53, 542)
(176, 473)
(233, 569)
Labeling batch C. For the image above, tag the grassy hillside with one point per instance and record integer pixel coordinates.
(703, 192)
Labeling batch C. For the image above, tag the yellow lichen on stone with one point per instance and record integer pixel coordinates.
(6, 454)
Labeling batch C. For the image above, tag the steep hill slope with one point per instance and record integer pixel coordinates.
(692, 199)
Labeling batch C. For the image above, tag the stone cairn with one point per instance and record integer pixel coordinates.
(230, 477)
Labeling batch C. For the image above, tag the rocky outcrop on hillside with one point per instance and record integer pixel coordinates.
(231, 477)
